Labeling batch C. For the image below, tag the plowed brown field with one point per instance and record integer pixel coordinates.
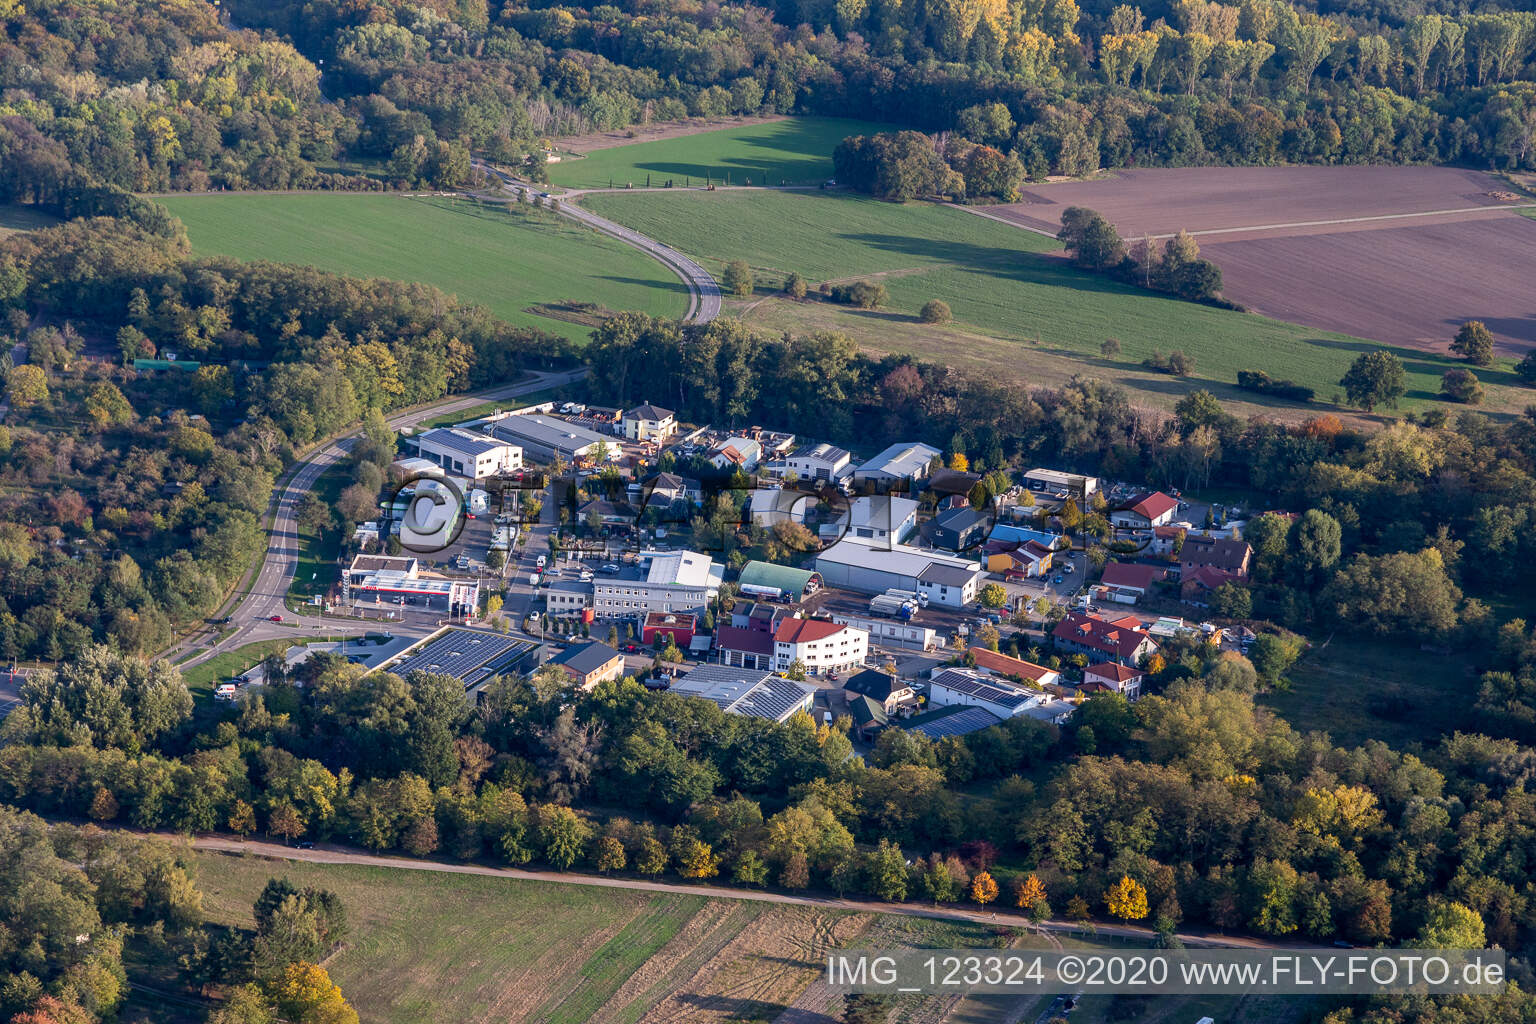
(1399, 254)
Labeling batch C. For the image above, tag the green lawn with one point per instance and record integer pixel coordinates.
(502, 258)
(1000, 281)
(315, 569)
(794, 151)
(15, 219)
(200, 678)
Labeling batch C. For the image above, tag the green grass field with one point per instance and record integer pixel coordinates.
(1002, 283)
(502, 258)
(794, 151)
(14, 219)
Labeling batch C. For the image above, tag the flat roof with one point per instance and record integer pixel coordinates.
(902, 459)
(469, 655)
(547, 432)
(462, 441)
(897, 558)
(1056, 476)
(682, 569)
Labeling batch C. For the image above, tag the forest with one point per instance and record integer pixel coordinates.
(132, 498)
(149, 96)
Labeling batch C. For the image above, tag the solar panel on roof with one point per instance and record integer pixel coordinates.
(468, 655)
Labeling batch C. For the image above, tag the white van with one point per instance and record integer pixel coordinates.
(226, 691)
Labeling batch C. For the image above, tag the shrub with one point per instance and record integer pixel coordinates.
(1264, 384)
(935, 311)
(738, 278)
(862, 294)
(1178, 362)
(794, 286)
(1461, 386)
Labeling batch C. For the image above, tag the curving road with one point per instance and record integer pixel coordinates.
(703, 292)
(251, 612)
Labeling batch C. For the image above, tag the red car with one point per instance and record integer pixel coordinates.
(276, 618)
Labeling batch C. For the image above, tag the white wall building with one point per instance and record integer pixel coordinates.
(897, 464)
(648, 423)
(873, 567)
(819, 645)
(676, 581)
(820, 462)
(468, 454)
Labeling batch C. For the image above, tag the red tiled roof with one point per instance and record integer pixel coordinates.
(1137, 577)
(1110, 670)
(1004, 665)
(1155, 504)
(1210, 578)
(1116, 637)
(749, 641)
(800, 631)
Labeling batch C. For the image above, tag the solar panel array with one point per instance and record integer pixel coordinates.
(1008, 698)
(469, 655)
(962, 722)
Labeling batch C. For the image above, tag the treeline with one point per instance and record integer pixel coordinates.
(1212, 810)
(908, 165)
(80, 901)
(152, 96)
(145, 507)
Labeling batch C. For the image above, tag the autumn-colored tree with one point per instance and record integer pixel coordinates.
(285, 820)
(26, 386)
(959, 462)
(242, 819)
(651, 857)
(103, 805)
(696, 859)
(983, 888)
(306, 994)
(1127, 899)
(796, 873)
(609, 855)
(1029, 893)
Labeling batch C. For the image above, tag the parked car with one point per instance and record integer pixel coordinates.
(275, 618)
(1059, 580)
(609, 568)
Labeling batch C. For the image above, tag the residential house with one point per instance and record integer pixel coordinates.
(1198, 586)
(973, 689)
(1166, 540)
(1030, 560)
(820, 462)
(1122, 679)
(734, 453)
(887, 690)
(648, 423)
(1119, 640)
(1232, 557)
(1146, 511)
(869, 716)
(952, 481)
(600, 512)
(589, 664)
(664, 491)
(950, 586)
(897, 466)
(960, 528)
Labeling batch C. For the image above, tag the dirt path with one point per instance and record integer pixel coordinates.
(1000, 918)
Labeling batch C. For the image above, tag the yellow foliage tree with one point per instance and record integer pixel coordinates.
(1028, 892)
(306, 995)
(1127, 899)
(983, 888)
(959, 462)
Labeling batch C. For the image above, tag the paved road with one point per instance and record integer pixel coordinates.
(703, 292)
(251, 613)
(330, 854)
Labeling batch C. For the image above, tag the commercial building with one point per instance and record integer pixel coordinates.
(588, 664)
(747, 692)
(1055, 482)
(857, 564)
(648, 423)
(778, 582)
(820, 645)
(820, 462)
(545, 437)
(897, 465)
(473, 656)
(564, 598)
(401, 584)
(677, 581)
(676, 627)
(991, 693)
(952, 720)
(467, 453)
(959, 528)
(879, 519)
(890, 632)
(1027, 672)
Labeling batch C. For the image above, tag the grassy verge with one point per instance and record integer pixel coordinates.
(315, 567)
(200, 678)
(502, 257)
(794, 151)
(1020, 310)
